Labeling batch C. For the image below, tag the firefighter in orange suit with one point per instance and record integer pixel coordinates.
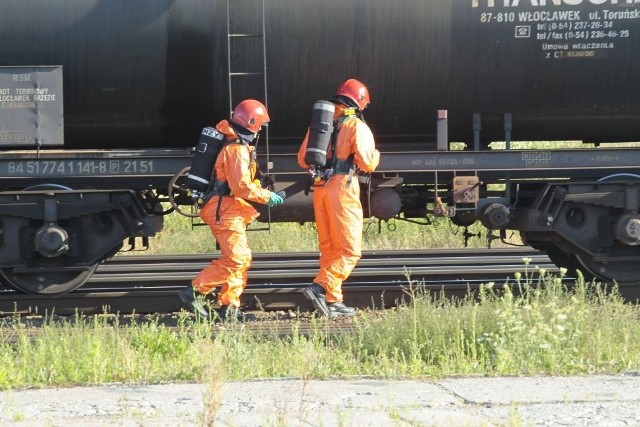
(336, 200)
(227, 212)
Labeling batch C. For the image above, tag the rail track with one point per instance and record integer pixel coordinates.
(149, 284)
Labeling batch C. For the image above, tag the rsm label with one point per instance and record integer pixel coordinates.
(31, 106)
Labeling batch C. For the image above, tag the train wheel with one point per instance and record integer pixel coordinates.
(47, 282)
(562, 259)
(180, 197)
(557, 256)
(620, 263)
(47, 276)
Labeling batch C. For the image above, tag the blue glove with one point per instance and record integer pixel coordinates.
(274, 199)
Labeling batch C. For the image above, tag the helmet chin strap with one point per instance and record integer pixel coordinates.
(254, 152)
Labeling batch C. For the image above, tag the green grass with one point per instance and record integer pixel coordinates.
(525, 329)
(181, 237)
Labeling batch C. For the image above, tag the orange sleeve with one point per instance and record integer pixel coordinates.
(239, 174)
(360, 143)
(302, 150)
(366, 156)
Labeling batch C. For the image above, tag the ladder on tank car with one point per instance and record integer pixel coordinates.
(237, 35)
(240, 33)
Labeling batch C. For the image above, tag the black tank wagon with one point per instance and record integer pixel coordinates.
(101, 102)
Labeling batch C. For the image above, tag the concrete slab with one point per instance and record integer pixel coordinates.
(535, 401)
(505, 390)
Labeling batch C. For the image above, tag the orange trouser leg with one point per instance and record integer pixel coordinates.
(339, 215)
(325, 245)
(230, 270)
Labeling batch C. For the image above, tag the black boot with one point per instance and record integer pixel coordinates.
(229, 313)
(338, 309)
(316, 294)
(191, 303)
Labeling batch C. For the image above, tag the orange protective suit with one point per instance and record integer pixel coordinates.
(234, 166)
(337, 207)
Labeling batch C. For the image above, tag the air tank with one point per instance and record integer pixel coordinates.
(140, 74)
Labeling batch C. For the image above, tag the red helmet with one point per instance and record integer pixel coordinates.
(250, 114)
(356, 91)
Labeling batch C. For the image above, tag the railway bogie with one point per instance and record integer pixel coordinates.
(52, 240)
(596, 224)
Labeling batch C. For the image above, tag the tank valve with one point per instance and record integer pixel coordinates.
(496, 216)
(51, 240)
(628, 229)
(441, 210)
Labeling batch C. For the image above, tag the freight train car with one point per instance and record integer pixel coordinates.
(101, 102)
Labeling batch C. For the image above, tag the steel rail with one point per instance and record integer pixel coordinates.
(149, 284)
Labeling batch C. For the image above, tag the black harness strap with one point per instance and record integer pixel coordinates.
(341, 167)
